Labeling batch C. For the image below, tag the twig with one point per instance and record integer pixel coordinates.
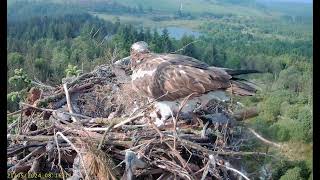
(207, 151)
(129, 120)
(16, 112)
(263, 139)
(205, 171)
(246, 114)
(76, 149)
(27, 157)
(185, 46)
(60, 95)
(52, 110)
(157, 129)
(96, 33)
(11, 151)
(13, 124)
(183, 103)
(104, 135)
(234, 170)
(42, 85)
(182, 161)
(174, 129)
(59, 158)
(98, 129)
(69, 101)
(149, 104)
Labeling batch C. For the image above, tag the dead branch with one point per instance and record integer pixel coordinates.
(264, 140)
(52, 110)
(69, 102)
(246, 114)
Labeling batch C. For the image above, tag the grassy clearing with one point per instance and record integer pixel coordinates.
(195, 6)
(297, 151)
(147, 22)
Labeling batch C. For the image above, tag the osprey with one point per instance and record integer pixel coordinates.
(168, 78)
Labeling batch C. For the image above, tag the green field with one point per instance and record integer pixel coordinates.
(147, 22)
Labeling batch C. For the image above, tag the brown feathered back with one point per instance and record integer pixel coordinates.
(174, 76)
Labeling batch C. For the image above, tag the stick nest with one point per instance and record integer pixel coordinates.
(114, 137)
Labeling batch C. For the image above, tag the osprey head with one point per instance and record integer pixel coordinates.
(139, 47)
(137, 52)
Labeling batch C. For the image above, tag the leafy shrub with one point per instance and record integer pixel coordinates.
(15, 59)
(292, 111)
(280, 130)
(19, 80)
(271, 106)
(303, 130)
(292, 174)
(72, 71)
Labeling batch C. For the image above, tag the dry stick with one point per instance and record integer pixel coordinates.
(182, 161)
(175, 119)
(42, 85)
(59, 156)
(16, 112)
(185, 46)
(52, 110)
(246, 114)
(146, 106)
(174, 129)
(184, 102)
(69, 101)
(74, 147)
(13, 124)
(29, 155)
(264, 140)
(232, 169)
(60, 94)
(11, 137)
(207, 151)
(129, 120)
(98, 129)
(96, 33)
(189, 156)
(157, 129)
(104, 135)
(205, 171)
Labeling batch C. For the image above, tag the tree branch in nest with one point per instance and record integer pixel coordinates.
(69, 102)
(246, 114)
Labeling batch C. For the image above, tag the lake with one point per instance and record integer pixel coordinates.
(178, 32)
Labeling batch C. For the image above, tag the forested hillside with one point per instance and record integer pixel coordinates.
(49, 41)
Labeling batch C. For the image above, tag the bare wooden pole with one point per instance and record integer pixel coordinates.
(69, 102)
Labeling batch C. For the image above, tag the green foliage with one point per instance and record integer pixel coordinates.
(20, 79)
(291, 170)
(17, 10)
(271, 106)
(19, 82)
(166, 42)
(15, 60)
(289, 79)
(13, 96)
(189, 46)
(72, 71)
(292, 174)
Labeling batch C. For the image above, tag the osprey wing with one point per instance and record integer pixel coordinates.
(180, 76)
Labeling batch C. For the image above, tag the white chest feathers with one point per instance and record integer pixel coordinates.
(169, 108)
